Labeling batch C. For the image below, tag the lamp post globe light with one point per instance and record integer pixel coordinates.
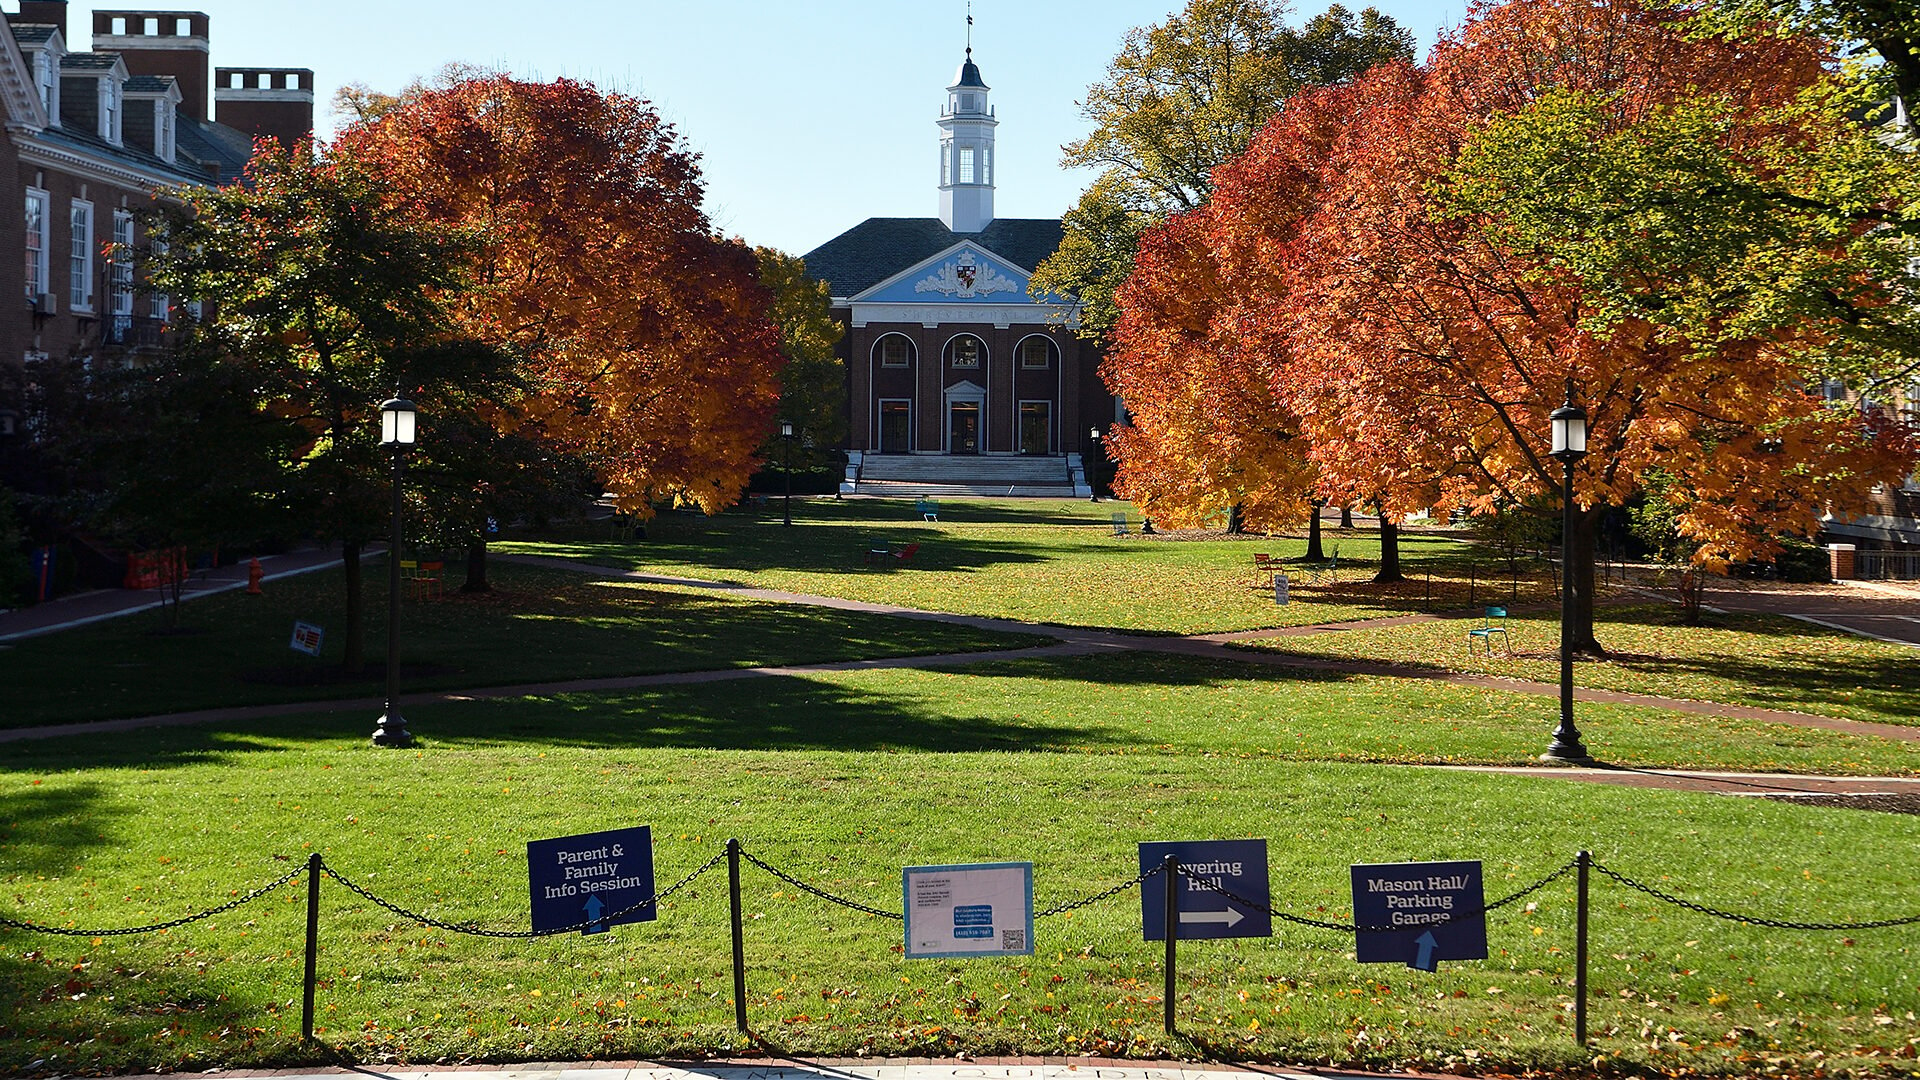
(786, 471)
(397, 433)
(1569, 434)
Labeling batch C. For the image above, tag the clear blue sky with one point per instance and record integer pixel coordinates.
(809, 116)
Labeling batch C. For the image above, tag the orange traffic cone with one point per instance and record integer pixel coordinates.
(254, 574)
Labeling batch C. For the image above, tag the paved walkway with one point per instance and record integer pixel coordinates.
(1070, 641)
(780, 1068)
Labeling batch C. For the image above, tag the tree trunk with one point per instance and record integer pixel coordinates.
(1389, 552)
(356, 637)
(1346, 517)
(1236, 524)
(1314, 554)
(1578, 577)
(476, 566)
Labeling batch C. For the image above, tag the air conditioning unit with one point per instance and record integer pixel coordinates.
(43, 304)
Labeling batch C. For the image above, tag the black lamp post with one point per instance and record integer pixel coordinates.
(1093, 479)
(786, 469)
(1569, 424)
(397, 432)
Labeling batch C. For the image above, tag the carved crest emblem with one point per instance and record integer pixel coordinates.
(966, 279)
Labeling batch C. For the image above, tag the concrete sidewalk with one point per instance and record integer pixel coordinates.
(91, 607)
(990, 1068)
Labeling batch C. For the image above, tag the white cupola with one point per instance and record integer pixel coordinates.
(966, 152)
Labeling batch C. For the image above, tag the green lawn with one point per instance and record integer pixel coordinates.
(1041, 561)
(538, 625)
(443, 830)
(1761, 660)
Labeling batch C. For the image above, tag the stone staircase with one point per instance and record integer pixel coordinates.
(910, 475)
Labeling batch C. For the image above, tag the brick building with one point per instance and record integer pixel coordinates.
(946, 353)
(90, 136)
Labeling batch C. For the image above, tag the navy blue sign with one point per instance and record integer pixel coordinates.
(1238, 866)
(601, 879)
(1436, 911)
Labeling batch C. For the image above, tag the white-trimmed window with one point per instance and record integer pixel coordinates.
(163, 130)
(1036, 352)
(966, 351)
(895, 351)
(966, 164)
(986, 164)
(120, 271)
(159, 305)
(46, 74)
(38, 220)
(946, 164)
(110, 110)
(80, 257)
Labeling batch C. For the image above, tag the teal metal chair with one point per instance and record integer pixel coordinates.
(1494, 622)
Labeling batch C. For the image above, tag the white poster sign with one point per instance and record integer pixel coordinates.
(983, 909)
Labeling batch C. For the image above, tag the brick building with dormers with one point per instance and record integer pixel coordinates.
(89, 137)
(946, 353)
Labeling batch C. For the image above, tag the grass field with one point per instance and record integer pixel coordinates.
(443, 830)
(538, 625)
(1762, 660)
(1042, 561)
(842, 778)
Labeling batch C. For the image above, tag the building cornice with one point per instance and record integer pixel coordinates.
(149, 43)
(223, 93)
(1001, 316)
(17, 89)
(44, 155)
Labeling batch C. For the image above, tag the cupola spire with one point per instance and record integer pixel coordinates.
(966, 147)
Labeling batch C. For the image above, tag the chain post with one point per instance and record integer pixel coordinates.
(1171, 868)
(1584, 860)
(313, 946)
(739, 937)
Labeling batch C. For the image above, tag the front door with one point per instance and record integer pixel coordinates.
(896, 427)
(1036, 427)
(963, 427)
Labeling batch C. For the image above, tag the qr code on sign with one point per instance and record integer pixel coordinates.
(1013, 940)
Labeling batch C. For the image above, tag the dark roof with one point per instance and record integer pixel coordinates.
(878, 248)
(34, 33)
(149, 84)
(214, 144)
(969, 74)
(89, 61)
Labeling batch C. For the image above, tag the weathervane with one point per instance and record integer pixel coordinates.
(969, 29)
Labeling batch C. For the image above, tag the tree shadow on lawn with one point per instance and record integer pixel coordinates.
(48, 828)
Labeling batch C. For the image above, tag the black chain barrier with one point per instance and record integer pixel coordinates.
(157, 927)
(1351, 928)
(819, 892)
(1138, 880)
(471, 930)
(1756, 920)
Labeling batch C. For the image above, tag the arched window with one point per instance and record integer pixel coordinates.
(894, 350)
(966, 351)
(1036, 352)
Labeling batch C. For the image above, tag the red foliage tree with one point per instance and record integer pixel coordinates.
(645, 340)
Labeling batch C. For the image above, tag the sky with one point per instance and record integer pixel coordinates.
(810, 117)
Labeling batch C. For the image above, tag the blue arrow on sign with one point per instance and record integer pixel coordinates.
(595, 907)
(1423, 960)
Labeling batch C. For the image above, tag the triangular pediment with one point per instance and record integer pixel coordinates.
(965, 273)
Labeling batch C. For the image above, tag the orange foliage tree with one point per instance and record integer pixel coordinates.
(1688, 229)
(644, 339)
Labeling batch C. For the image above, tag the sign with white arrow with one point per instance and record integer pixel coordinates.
(1421, 913)
(1222, 891)
(594, 881)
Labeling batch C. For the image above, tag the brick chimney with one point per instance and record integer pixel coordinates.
(266, 101)
(43, 12)
(160, 43)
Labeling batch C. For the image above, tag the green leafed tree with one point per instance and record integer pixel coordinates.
(322, 302)
(813, 380)
(1182, 97)
(1885, 34)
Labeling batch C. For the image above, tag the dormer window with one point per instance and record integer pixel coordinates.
(163, 130)
(46, 74)
(110, 110)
